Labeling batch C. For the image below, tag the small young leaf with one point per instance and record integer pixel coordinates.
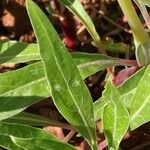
(40, 144)
(20, 131)
(67, 87)
(140, 103)
(126, 91)
(115, 116)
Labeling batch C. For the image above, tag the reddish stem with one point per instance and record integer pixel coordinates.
(128, 62)
(102, 145)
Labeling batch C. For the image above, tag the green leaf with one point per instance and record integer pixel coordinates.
(40, 144)
(21, 88)
(63, 77)
(16, 95)
(20, 131)
(140, 103)
(16, 52)
(35, 120)
(98, 108)
(147, 30)
(92, 63)
(128, 88)
(77, 9)
(115, 116)
(145, 2)
(126, 91)
(118, 47)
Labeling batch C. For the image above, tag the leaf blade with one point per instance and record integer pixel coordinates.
(77, 9)
(139, 108)
(114, 114)
(17, 52)
(16, 95)
(33, 75)
(35, 120)
(40, 144)
(128, 88)
(64, 77)
(17, 130)
(145, 2)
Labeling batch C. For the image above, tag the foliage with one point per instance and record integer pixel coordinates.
(53, 71)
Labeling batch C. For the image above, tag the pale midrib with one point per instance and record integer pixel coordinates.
(28, 119)
(26, 84)
(45, 122)
(140, 109)
(115, 121)
(98, 62)
(38, 146)
(78, 108)
(143, 104)
(19, 56)
(129, 92)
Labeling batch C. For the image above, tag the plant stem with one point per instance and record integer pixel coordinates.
(69, 136)
(144, 13)
(140, 35)
(128, 62)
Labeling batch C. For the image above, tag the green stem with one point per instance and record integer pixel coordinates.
(141, 38)
(140, 35)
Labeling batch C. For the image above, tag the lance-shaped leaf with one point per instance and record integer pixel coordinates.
(68, 90)
(35, 120)
(20, 131)
(24, 92)
(16, 52)
(92, 63)
(98, 108)
(40, 144)
(145, 2)
(128, 88)
(77, 9)
(115, 116)
(22, 88)
(140, 103)
(126, 91)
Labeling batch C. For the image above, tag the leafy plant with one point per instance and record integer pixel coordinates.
(53, 71)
